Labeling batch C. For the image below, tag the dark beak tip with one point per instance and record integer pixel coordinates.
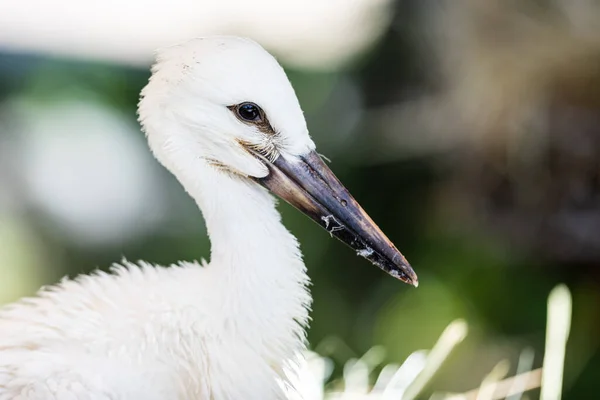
(414, 280)
(400, 269)
(406, 274)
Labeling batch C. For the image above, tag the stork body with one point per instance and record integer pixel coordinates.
(185, 332)
(220, 114)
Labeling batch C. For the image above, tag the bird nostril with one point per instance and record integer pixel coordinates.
(344, 202)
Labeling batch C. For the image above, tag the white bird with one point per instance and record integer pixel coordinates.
(221, 115)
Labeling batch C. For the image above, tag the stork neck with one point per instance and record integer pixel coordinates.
(250, 248)
(256, 281)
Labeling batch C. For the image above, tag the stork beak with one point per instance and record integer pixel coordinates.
(308, 184)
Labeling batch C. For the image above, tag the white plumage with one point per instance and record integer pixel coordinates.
(230, 329)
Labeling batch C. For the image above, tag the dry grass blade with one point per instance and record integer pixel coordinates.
(507, 387)
(452, 335)
(557, 334)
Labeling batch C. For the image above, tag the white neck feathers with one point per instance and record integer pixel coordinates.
(256, 266)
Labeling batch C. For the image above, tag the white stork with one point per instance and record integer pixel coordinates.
(221, 115)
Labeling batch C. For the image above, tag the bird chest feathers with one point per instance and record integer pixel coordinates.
(169, 343)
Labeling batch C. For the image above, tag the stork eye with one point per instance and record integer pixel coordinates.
(249, 112)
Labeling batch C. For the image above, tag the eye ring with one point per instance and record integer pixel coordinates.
(249, 112)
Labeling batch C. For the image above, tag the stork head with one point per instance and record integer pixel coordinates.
(225, 103)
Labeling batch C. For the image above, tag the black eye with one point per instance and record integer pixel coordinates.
(249, 112)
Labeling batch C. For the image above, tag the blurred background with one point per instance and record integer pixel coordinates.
(468, 129)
